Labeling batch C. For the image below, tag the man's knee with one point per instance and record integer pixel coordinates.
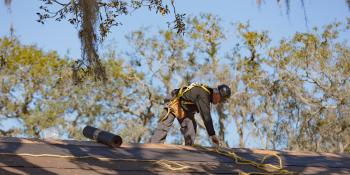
(159, 136)
(156, 139)
(188, 131)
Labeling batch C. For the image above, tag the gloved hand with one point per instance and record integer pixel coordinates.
(215, 140)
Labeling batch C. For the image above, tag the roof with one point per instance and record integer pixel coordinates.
(30, 156)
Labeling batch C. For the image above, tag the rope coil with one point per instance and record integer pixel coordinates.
(276, 170)
(172, 165)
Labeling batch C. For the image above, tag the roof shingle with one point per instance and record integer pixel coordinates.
(30, 156)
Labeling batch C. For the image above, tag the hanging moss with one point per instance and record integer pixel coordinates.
(87, 35)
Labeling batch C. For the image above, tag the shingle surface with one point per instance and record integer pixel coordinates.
(29, 156)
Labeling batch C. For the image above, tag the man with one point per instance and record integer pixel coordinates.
(185, 102)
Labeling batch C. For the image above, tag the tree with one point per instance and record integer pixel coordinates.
(314, 82)
(36, 92)
(103, 14)
(28, 78)
(293, 94)
(88, 14)
(172, 60)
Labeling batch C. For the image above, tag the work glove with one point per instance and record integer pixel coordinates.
(215, 141)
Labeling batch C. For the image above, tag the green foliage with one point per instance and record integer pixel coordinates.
(28, 77)
(294, 94)
(38, 91)
(313, 90)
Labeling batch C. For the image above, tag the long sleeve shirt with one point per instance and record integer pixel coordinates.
(201, 100)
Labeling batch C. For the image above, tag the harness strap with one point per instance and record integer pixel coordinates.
(181, 92)
(184, 89)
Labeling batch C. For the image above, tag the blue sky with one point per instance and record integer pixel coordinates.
(271, 16)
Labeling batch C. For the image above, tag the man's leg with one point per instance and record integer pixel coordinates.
(188, 129)
(163, 127)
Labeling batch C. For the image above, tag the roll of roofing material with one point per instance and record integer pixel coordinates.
(103, 137)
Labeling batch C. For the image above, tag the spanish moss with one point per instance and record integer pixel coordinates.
(8, 4)
(288, 7)
(87, 34)
(305, 15)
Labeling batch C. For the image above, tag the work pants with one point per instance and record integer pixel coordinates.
(188, 128)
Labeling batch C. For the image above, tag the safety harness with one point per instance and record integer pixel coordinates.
(174, 106)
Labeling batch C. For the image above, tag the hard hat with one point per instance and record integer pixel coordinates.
(224, 91)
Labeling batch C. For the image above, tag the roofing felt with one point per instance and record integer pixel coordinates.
(31, 156)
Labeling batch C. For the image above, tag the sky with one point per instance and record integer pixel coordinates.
(271, 16)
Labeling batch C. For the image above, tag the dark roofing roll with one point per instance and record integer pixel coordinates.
(101, 136)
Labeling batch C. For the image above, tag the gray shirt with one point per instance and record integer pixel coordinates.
(201, 99)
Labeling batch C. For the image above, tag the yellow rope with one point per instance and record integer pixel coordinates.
(166, 115)
(262, 166)
(171, 165)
